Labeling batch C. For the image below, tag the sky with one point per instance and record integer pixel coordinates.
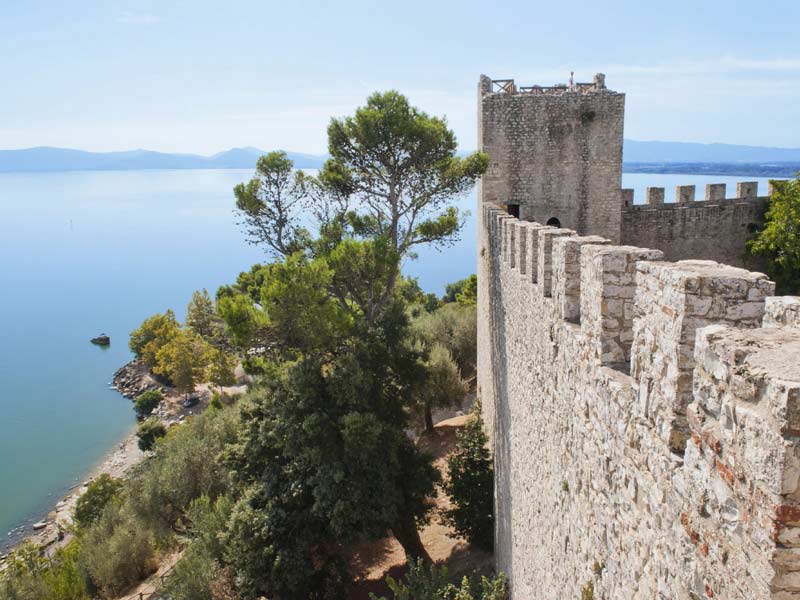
(205, 76)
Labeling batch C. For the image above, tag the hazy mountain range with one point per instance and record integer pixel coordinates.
(639, 156)
(63, 159)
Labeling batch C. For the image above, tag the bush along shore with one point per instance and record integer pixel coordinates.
(51, 531)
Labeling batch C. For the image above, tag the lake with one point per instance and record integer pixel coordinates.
(84, 253)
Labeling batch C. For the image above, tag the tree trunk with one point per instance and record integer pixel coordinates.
(405, 531)
(428, 418)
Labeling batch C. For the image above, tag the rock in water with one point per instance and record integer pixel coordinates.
(101, 340)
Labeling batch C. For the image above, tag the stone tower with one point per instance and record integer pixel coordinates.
(555, 153)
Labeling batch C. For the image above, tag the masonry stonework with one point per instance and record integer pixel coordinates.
(644, 413)
(655, 456)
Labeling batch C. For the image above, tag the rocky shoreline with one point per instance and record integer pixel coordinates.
(134, 378)
(52, 531)
(130, 380)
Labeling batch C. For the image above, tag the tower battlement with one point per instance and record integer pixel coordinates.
(509, 86)
(556, 152)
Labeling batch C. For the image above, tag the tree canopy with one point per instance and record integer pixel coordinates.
(400, 165)
(779, 240)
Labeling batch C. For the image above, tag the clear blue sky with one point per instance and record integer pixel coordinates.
(203, 76)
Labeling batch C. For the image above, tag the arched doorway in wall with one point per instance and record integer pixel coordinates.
(554, 222)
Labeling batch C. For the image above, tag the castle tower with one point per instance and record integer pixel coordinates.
(555, 152)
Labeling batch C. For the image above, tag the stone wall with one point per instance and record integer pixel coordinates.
(716, 228)
(556, 152)
(645, 425)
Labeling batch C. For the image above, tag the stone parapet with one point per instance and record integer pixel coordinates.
(672, 474)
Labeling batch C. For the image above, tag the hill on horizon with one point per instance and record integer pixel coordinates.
(44, 158)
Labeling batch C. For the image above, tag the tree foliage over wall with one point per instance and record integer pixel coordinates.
(778, 242)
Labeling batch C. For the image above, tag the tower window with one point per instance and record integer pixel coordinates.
(513, 210)
(554, 222)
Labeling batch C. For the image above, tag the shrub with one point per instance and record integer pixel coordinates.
(117, 550)
(456, 328)
(148, 432)
(470, 485)
(198, 573)
(425, 582)
(146, 402)
(186, 465)
(30, 576)
(97, 495)
(442, 386)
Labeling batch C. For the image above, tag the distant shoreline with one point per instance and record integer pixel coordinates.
(777, 170)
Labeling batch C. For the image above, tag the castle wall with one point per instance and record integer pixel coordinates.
(554, 151)
(716, 228)
(645, 425)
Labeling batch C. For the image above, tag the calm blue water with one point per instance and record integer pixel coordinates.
(88, 252)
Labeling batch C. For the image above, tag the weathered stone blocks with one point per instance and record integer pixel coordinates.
(567, 273)
(782, 310)
(673, 300)
(745, 459)
(654, 196)
(545, 256)
(715, 191)
(608, 287)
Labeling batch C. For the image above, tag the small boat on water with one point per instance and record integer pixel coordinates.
(101, 340)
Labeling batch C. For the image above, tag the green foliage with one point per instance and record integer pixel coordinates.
(326, 457)
(187, 464)
(468, 295)
(122, 545)
(117, 551)
(455, 327)
(470, 485)
(402, 164)
(146, 402)
(199, 567)
(451, 290)
(295, 311)
(202, 318)
(778, 243)
(441, 387)
(183, 360)
(148, 432)
(97, 495)
(30, 576)
(431, 582)
(216, 401)
(221, 368)
(152, 335)
(270, 205)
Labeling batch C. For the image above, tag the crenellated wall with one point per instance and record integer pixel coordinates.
(555, 155)
(645, 424)
(715, 228)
